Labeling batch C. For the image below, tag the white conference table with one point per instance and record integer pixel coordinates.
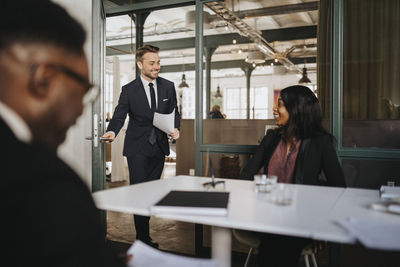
(312, 214)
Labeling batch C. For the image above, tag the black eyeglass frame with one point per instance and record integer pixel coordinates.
(67, 71)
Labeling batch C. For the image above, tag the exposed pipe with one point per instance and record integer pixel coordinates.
(252, 34)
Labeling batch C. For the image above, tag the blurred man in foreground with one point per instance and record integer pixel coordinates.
(48, 215)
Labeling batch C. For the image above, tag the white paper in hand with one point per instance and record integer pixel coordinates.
(164, 122)
(146, 256)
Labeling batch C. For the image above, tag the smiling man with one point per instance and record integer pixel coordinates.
(145, 146)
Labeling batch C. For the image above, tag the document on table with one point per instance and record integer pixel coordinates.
(146, 256)
(374, 234)
(164, 122)
(192, 203)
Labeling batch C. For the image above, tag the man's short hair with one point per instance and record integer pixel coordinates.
(39, 22)
(145, 49)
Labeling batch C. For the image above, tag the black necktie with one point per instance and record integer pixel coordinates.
(153, 137)
(152, 97)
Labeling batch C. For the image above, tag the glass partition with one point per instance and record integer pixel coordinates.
(244, 74)
(371, 173)
(223, 165)
(371, 67)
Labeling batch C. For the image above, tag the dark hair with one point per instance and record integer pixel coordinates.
(145, 49)
(305, 119)
(39, 21)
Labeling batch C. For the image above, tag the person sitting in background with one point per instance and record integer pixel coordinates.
(48, 215)
(215, 113)
(299, 151)
(108, 117)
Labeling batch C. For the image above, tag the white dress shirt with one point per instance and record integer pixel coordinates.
(147, 89)
(17, 125)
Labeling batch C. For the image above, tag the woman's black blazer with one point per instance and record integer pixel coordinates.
(316, 163)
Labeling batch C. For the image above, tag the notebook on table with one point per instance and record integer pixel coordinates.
(193, 203)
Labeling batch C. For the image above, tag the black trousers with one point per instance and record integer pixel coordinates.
(143, 167)
(280, 251)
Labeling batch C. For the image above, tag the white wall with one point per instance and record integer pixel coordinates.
(76, 151)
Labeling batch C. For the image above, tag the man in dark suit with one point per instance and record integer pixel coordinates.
(145, 146)
(48, 215)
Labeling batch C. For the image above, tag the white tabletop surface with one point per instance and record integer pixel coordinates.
(353, 203)
(311, 215)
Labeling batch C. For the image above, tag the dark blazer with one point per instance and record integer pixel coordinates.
(316, 162)
(48, 214)
(133, 101)
(215, 115)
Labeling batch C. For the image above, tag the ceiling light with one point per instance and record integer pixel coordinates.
(240, 51)
(218, 93)
(183, 83)
(304, 79)
(234, 41)
(254, 65)
(272, 64)
(246, 59)
(276, 60)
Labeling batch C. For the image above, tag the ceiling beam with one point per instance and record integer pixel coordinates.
(289, 34)
(277, 10)
(285, 34)
(229, 64)
(124, 7)
(145, 5)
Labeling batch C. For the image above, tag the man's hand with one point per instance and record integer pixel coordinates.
(107, 137)
(175, 134)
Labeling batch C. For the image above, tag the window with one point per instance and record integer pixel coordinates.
(108, 93)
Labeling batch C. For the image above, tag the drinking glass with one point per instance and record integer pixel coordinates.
(265, 183)
(271, 183)
(284, 194)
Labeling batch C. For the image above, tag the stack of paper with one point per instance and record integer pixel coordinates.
(164, 122)
(146, 256)
(374, 234)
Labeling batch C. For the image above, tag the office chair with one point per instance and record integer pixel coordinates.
(251, 239)
(248, 238)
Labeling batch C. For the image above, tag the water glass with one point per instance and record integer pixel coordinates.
(260, 181)
(272, 181)
(284, 194)
(264, 183)
(390, 183)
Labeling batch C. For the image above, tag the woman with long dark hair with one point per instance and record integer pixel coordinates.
(298, 151)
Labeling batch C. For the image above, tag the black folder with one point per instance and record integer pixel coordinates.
(193, 203)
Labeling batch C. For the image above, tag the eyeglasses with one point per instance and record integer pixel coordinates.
(91, 91)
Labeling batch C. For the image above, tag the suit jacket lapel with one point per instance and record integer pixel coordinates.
(159, 93)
